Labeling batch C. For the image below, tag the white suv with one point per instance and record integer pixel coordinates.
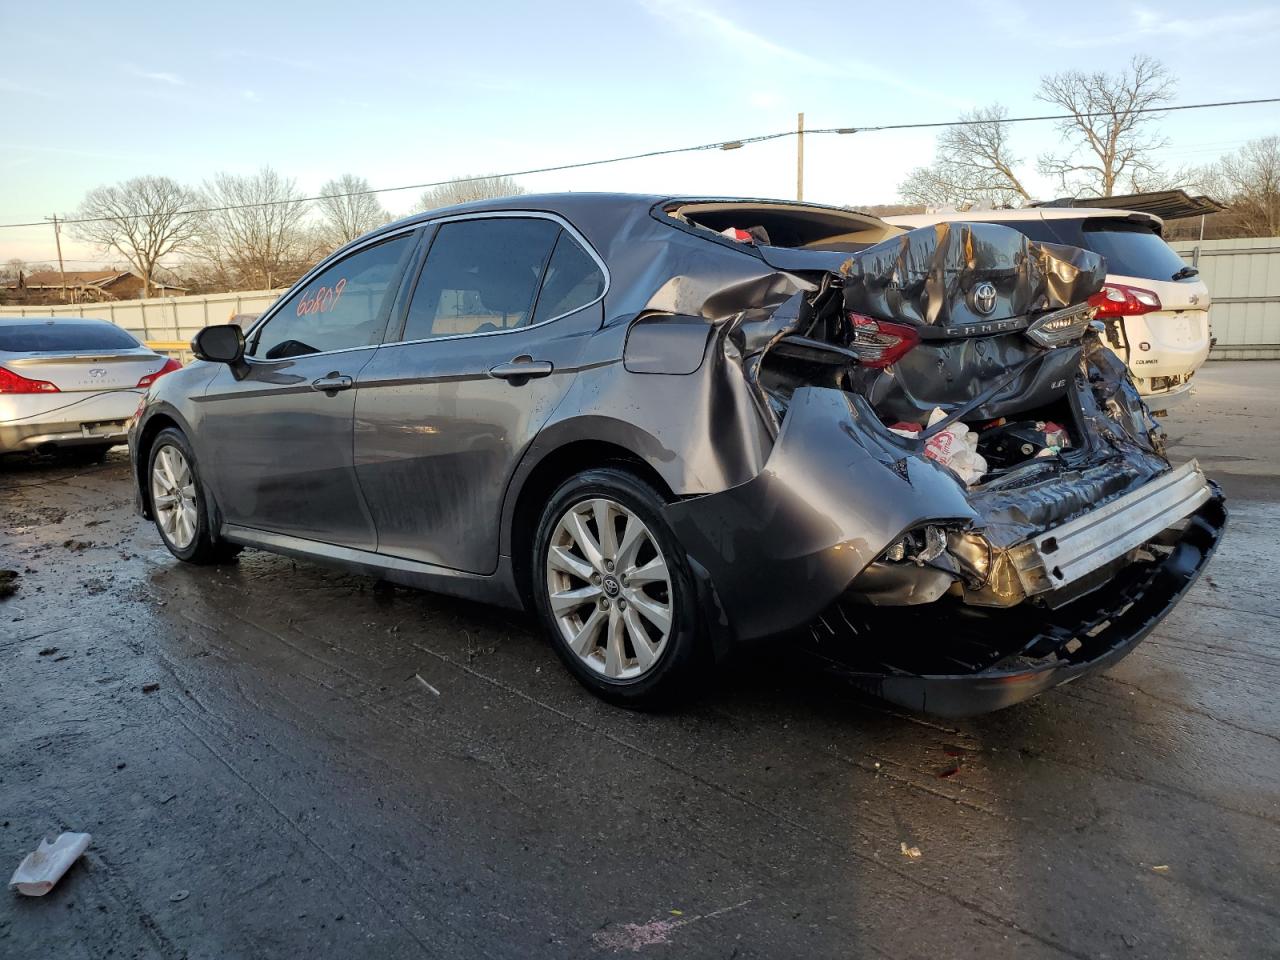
(1155, 306)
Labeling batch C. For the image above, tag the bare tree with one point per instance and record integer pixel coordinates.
(15, 267)
(1251, 183)
(254, 235)
(973, 163)
(467, 188)
(1108, 137)
(348, 210)
(143, 220)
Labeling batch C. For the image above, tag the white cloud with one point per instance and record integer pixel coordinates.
(1145, 24)
(747, 46)
(155, 76)
(250, 95)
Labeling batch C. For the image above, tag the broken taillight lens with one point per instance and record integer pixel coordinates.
(10, 382)
(879, 343)
(170, 365)
(1122, 300)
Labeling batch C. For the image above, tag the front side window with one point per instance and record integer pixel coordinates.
(339, 308)
(480, 276)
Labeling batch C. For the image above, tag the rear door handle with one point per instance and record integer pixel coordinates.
(332, 383)
(521, 369)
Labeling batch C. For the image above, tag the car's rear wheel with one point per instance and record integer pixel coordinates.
(614, 589)
(178, 502)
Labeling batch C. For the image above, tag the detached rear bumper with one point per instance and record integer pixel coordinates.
(964, 661)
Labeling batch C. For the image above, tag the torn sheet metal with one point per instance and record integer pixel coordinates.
(964, 279)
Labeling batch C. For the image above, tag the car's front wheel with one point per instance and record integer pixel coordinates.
(178, 502)
(614, 589)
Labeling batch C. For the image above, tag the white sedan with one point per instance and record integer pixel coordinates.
(71, 384)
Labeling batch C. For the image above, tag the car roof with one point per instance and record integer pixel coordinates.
(52, 318)
(571, 201)
(1026, 213)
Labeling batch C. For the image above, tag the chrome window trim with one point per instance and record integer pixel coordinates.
(507, 215)
(303, 356)
(336, 257)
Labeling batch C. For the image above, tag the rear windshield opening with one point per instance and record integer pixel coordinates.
(63, 336)
(1132, 249)
(787, 225)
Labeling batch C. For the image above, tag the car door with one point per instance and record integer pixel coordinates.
(275, 437)
(500, 310)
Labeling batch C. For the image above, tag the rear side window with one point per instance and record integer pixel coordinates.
(480, 276)
(573, 280)
(63, 336)
(340, 308)
(1132, 250)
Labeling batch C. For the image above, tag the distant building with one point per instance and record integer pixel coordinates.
(83, 286)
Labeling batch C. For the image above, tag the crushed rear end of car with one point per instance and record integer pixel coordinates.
(966, 502)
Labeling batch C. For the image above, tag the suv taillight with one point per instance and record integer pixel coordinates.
(10, 382)
(170, 365)
(879, 343)
(1122, 300)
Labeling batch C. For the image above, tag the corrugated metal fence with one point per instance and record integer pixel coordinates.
(1243, 277)
(161, 320)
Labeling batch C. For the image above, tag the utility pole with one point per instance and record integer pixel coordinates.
(57, 239)
(800, 157)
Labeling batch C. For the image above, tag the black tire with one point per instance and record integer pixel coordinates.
(683, 660)
(202, 549)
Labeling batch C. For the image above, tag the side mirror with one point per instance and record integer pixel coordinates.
(221, 344)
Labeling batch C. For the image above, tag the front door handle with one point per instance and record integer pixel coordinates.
(521, 369)
(332, 383)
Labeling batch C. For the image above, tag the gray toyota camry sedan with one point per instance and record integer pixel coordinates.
(673, 426)
(70, 384)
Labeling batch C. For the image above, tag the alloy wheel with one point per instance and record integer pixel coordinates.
(173, 496)
(609, 589)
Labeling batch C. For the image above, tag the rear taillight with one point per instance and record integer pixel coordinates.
(1122, 300)
(170, 365)
(879, 343)
(10, 382)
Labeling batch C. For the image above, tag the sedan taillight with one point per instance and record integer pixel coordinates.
(170, 365)
(1122, 300)
(10, 382)
(879, 343)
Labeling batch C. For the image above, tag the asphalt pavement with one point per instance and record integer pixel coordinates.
(277, 760)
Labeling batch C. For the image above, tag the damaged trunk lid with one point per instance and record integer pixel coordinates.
(975, 348)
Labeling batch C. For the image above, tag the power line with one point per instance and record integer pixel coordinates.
(670, 151)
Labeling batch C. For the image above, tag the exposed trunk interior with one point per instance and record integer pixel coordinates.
(974, 347)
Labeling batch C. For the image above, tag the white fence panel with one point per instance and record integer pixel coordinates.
(160, 319)
(1243, 277)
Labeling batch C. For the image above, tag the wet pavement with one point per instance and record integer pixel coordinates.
(276, 760)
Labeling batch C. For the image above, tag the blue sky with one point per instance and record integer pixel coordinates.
(406, 93)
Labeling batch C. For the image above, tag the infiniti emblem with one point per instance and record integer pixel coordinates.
(98, 372)
(611, 586)
(984, 298)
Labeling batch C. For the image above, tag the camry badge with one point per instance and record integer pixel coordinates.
(984, 298)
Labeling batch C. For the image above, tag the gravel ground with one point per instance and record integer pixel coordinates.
(277, 760)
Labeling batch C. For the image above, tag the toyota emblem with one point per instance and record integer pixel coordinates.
(984, 298)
